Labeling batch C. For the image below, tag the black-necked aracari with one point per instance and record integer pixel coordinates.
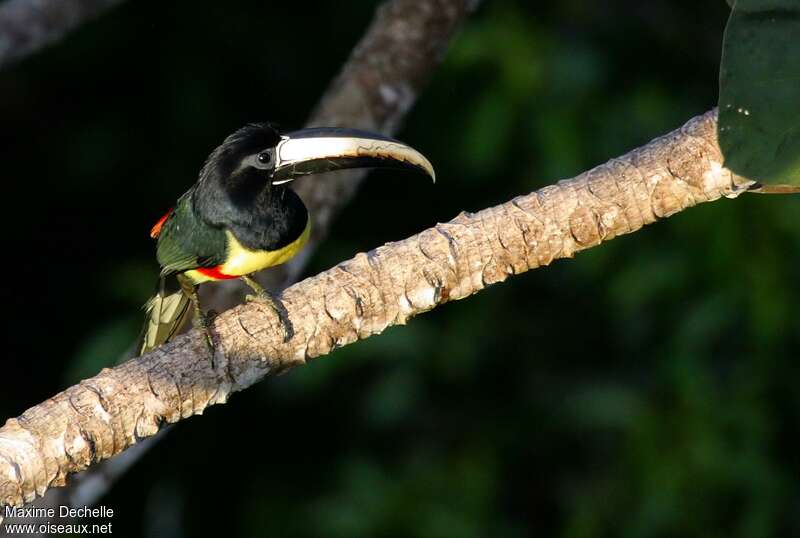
(240, 217)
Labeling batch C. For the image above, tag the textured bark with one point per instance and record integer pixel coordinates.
(28, 25)
(361, 297)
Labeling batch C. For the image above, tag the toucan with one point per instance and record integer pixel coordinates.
(240, 216)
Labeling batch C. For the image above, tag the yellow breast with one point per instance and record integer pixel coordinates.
(242, 261)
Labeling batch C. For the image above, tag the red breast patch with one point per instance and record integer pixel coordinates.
(215, 273)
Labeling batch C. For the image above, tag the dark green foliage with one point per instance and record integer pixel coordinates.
(646, 388)
(759, 101)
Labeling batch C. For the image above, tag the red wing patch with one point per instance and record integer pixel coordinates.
(215, 273)
(155, 231)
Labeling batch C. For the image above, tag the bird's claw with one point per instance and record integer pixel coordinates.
(203, 321)
(276, 305)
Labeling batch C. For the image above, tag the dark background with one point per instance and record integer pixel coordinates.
(644, 389)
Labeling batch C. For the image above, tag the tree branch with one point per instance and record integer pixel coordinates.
(29, 25)
(104, 415)
(379, 83)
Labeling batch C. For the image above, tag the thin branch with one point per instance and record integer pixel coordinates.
(29, 25)
(379, 83)
(104, 415)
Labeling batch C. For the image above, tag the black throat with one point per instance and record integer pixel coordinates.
(241, 198)
(274, 222)
(261, 216)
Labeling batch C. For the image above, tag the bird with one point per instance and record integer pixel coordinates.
(240, 216)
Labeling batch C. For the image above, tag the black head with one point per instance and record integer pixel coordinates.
(247, 172)
(241, 167)
(242, 149)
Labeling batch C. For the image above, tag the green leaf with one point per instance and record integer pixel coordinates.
(759, 102)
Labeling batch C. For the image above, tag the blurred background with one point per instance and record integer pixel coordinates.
(644, 389)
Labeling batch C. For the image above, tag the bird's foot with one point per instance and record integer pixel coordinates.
(266, 298)
(203, 321)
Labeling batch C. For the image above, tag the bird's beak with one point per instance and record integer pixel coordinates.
(312, 151)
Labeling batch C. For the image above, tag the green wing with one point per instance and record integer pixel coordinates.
(186, 242)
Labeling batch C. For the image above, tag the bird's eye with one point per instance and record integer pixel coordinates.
(265, 158)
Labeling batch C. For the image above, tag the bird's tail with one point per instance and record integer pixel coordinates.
(165, 314)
